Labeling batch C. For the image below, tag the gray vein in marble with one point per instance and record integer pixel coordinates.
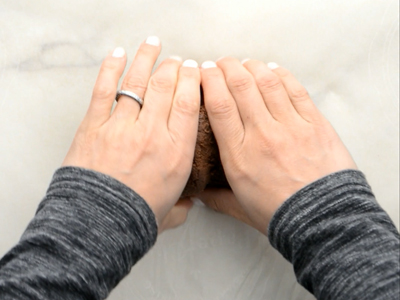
(58, 55)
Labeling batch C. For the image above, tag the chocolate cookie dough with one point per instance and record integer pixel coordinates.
(207, 171)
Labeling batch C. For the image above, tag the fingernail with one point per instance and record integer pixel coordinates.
(118, 52)
(190, 63)
(222, 57)
(245, 60)
(176, 57)
(208, 64)
(272, 65)
(153, 40)
(197, 201)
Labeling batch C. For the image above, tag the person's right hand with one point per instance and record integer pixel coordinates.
(273, 141)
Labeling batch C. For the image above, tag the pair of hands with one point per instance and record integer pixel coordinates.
(272, 139)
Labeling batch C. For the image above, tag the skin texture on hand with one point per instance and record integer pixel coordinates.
(149, 149)
(273, 141)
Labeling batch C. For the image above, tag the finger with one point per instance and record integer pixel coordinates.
(244, 90)
(298, 95)
(272, 90)
(221, 109)
(137, 78)
(224, 201)
(177, 215)
(106, 87)
(160, 92)
(184, 116)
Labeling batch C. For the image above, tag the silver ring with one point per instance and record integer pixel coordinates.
(130, 95)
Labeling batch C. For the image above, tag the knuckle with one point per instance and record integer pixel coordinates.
(104, 92)
(299, 94)
(268, 83)
(161, 84)
(238, 172)
(145, 50)
(135, 83)
(267, 148)
(267, 142)
(186, 104)
(221, 107)
(109, 65)
(240, 83)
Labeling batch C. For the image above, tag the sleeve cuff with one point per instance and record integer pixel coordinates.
(331, 197)
(116, 218)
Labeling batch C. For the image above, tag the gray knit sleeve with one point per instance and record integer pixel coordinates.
(341, 243)
(88, 232)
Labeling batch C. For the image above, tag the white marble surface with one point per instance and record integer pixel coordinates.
(345, 52)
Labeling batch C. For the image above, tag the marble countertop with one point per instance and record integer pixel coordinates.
(344, 52)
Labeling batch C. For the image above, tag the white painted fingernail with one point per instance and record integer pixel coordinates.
(176, 57)
(245, 60)
(118, 52)
(153, 40)
(208, 64)
(190, 63)
(197, 201)
(272, 65)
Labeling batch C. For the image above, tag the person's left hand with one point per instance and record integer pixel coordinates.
(150, 149)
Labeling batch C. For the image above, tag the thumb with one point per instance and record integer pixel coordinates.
(177, 215)
(224, 201)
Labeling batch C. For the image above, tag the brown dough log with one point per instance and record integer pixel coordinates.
(207, 171)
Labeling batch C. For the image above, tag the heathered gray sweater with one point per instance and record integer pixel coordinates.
(90, 229)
